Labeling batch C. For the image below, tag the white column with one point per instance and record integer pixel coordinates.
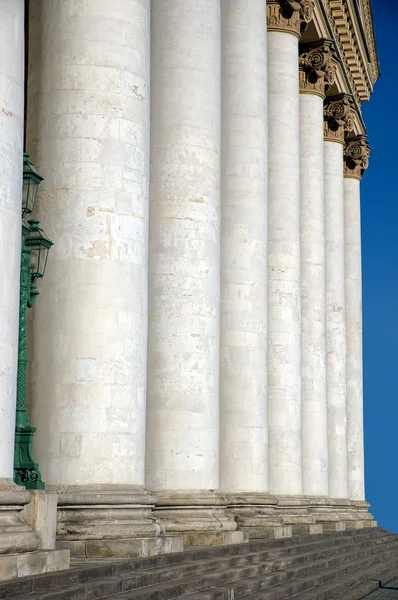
(313, 307)
(335, 319)
(184, 261)
(11, 158)
(316, 75)
(353, 282)
(88, 133)
(353, 298)
(284, 326)
(243, 376)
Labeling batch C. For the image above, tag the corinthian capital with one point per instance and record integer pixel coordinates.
(338, 118)
(317, 68)
(356, 156)
(291, 16)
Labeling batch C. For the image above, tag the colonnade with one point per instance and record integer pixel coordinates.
(198, 331)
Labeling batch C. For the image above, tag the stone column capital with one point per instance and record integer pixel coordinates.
(317, 68)
(289, 16)
(338, 117)
(356, 156)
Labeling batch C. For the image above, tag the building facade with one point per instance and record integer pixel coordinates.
(196, 351)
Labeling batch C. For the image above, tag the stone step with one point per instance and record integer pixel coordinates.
(94, 570)
(309, 574)
(248, 574)
(171, 576)
(327, 583)
(355, 586)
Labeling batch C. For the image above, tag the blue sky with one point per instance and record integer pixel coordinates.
(380, 280)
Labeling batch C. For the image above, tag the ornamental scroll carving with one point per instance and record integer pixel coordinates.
(338, 118)
(356, 156)
(291, 16)
(317, 67)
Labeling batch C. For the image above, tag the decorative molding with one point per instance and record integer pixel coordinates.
(370, 36)
(341, 50)
(360, 72)
(317, 68)
(338, 118)
(356, 156)
(289, 16)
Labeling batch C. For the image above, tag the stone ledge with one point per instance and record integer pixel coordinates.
(215, 538)
(123, 548)
(268, 532)
(26, 564)
(307, 529)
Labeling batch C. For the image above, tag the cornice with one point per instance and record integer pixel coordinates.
(353, 34)
(370, 36)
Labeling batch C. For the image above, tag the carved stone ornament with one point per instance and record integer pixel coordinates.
(290, 16)
(338, 118)
(356, 156)
(317, 68)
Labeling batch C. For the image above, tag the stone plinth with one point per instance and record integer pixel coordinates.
(27, 564)
(16, 536)
(201, 517)
(19, 543)
(41, 514)
(341, 513)
(255, 514)
(107, 520)
(294, 511)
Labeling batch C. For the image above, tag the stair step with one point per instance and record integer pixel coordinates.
(262, 567)
(303, 576)
(353, 587)
(94, 571)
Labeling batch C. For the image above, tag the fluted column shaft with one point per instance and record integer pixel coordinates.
(11, 157)
(284, 326)
(335, 319)
(353, 170)
(184, 254)
(88, 133)
(243, 376)
(335, 301)
(313, 303)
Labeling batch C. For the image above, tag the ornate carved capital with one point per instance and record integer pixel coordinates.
(338, 118)
(317, 68)
(290, 16)
(356, 156)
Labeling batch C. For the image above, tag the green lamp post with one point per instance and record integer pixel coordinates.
(35, 249)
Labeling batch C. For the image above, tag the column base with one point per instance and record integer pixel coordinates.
(15, 535)
(254, 514)
(201, 517)
(339, 514)
(107, 521)
(294, 511)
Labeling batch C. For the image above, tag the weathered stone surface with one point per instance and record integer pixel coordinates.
(123, 548)
(197, 515)
(95, 512)
(41, 514)
(25, 564)
(11, 149)
(15, 534)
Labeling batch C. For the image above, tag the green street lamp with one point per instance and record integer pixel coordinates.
(35, 249)
(31, 182)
